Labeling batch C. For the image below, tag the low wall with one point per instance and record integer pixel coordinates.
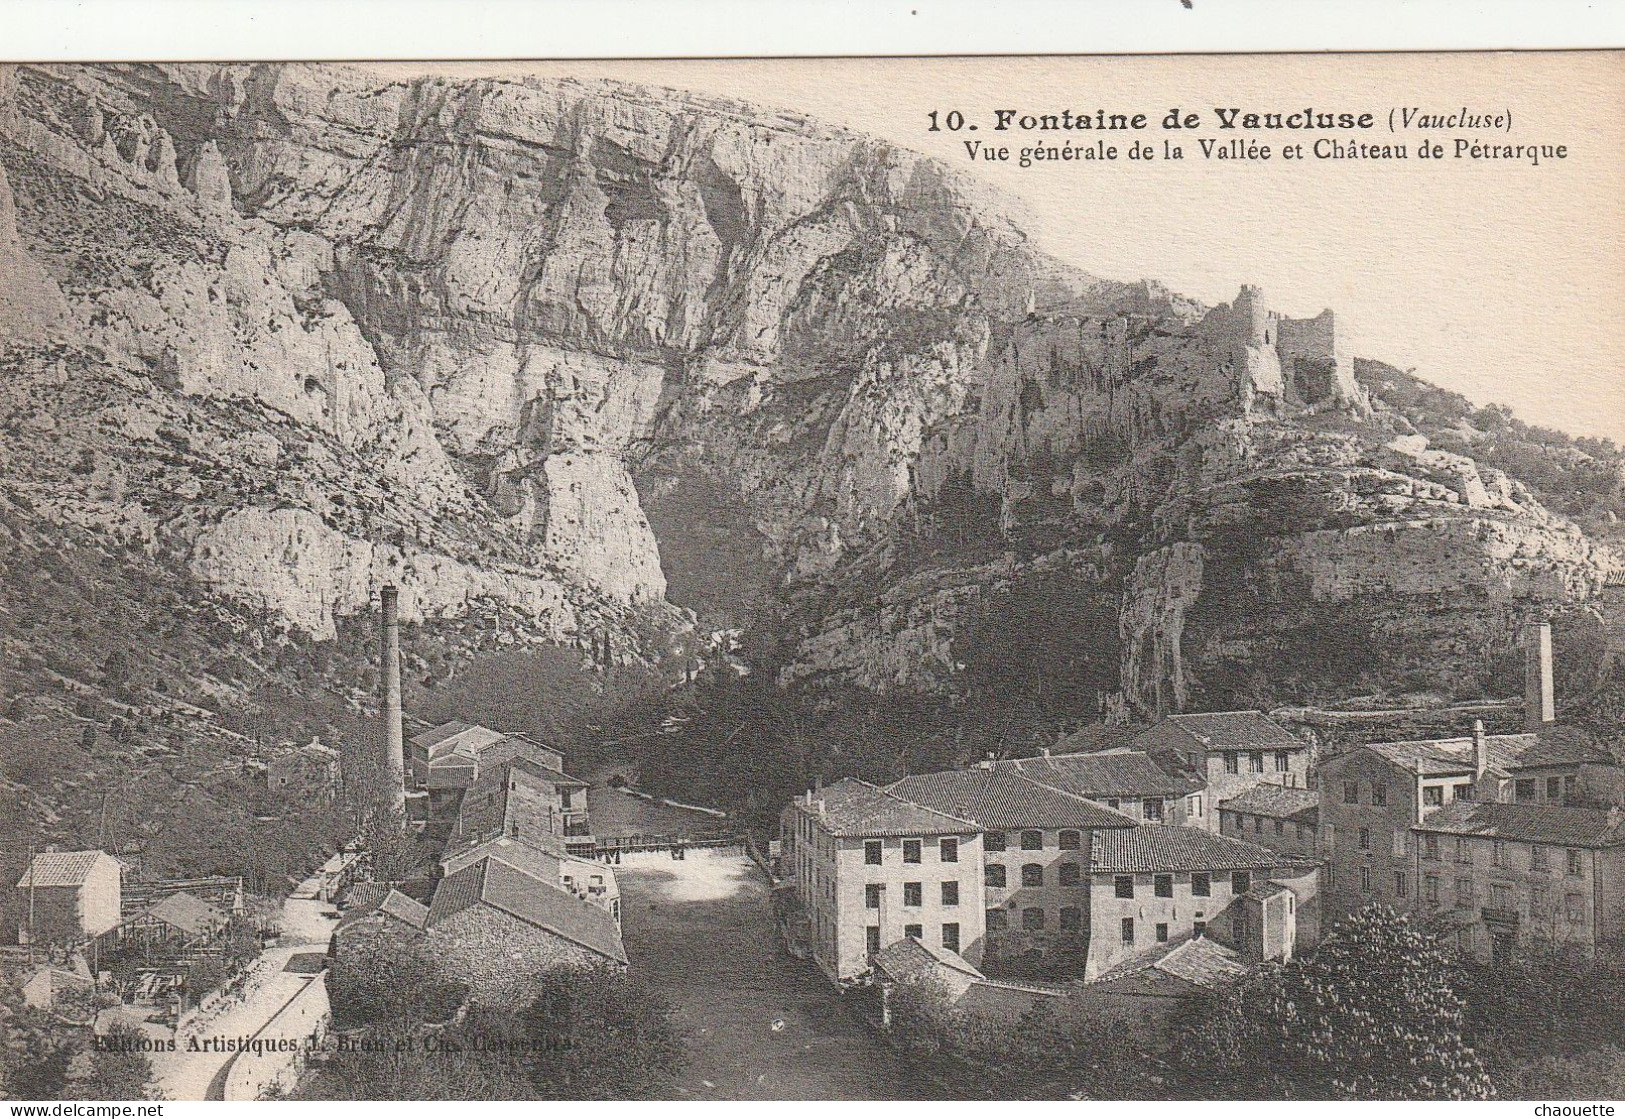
(302, 1021)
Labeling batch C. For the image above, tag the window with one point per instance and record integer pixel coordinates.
(1365, 839)
(948, 849)
(1125, 885)
(1193, 807)
(1351, 792)
(1231, 762)
(912, 892)
(1576, 870)
(1032, 874)
(1163, 885)
(1399, 884)
(1523, 789)
(1240, 881)
(1464, 850)
(1500, 896)
(1255, 762)
(1431, 882)
(1398, 845)
(1365, 879)
(1433, 796)
(1258, 824)
(1162, 932)
(916, 931)
(1071, 918)
(1280, 827)
(1153, 809)
(1430, 847)
(871, 852)
(993, 841)
(1201, 885)
(1032, 841)
(1498, 853)
(1554, 788)
(1575, 905)
(950, 935)
(1113, 802)
(1568, 788)
(1379, 795)
(911, 850)
(1071, 841)
(1283, 761)
(1330, 831)
(871, 897)
(1128, 930)
(993, 875)
(950, 893)
(1032, 919)
(1537, 857)
(1464, 892)
(1464, 792)
(1537, 900)
(1198, 929)
(996, 921)
(871, 940)
(1070, 874)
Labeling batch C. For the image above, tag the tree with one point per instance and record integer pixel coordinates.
(118, 1069)
(600, 1033)
(383, 975)
(1371, 1014)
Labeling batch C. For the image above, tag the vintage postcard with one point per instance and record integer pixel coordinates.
(866, 579)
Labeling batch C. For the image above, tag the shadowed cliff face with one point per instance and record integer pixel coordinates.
(464, 334)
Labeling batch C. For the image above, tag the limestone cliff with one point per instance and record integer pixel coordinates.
(478, 335)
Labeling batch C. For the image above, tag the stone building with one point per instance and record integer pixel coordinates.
(451, 757)
(1125, 781)
(521, 799)
(74, 894)
(310, 772)
(587, 879)
(1035, 844)
(1281, 818)
(871, 867)
(1227, 752)
(496, 928)
(1150, 886)
(1502, 876)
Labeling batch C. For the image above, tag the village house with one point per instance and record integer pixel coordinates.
(1126, 781)
(1150, 886)
(587, 879)
(523, 800)
(57, 989)
(961, 983)
(309, 772)
(449, 758)
(496, 927)
(1502, 876)
(1146, 991)
(1227, 752)
(1035, 846)
(1279, 817)
(74, 895)
(871, 867)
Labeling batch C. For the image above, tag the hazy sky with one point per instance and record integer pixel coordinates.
(1500, 280)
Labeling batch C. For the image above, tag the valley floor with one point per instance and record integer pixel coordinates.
(760, 1025)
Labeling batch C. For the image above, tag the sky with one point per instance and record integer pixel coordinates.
(1500, 280)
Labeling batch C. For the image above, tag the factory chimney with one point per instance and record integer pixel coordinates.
(394, 744)
(1538, 706)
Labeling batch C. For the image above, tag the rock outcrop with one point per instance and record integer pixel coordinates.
(447, 329)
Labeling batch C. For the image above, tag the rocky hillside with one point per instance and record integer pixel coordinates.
(617, 357)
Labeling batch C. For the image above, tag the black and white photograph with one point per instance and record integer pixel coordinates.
(895, 578)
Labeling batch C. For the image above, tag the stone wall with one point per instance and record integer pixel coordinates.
(500, 956)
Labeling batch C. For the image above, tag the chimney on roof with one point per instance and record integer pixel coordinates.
(1481, 749)
(394, 735)
(1046, 751)
(1538, 707)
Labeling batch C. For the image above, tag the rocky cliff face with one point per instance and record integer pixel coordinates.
(311, 328)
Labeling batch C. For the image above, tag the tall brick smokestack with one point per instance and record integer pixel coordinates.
(394, 737)
(1539, 709)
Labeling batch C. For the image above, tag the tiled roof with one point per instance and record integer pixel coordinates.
(856, 808)
(1562, 746)
(1237, 730)
(1157, 847)
(530, 899)
(1200, 961)
(1558, 825)
(1454, 755)
(366, 895)
(1276, 801)
(60, 868)
(1127, 774)
(403, 908)
(1002, 798)
(189, 914)
(1262, 891)
(910, 957)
